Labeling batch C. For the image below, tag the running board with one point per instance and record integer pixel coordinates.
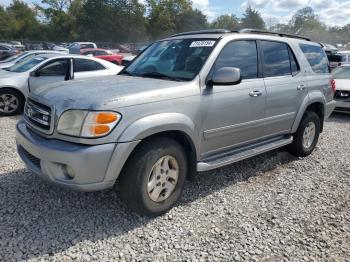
(242, 153)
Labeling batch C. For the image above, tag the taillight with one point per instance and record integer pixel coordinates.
(333, 85)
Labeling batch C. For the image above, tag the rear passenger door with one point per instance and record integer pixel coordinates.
(84, 68)
(234, 114)
(286, 86)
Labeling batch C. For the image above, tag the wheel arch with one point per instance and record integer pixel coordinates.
(14, 89)
(315, 104)
(176, 126)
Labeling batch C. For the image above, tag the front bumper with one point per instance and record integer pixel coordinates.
(342, 106)
(49, 158)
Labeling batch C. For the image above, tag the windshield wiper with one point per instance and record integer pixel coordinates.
(160, 76)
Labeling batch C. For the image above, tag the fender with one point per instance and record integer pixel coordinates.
(158, 123)
(314, 96)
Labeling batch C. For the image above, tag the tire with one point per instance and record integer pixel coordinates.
(137, 177)
(11, 102)
(299, 147)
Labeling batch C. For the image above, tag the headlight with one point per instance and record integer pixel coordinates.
(87, 124)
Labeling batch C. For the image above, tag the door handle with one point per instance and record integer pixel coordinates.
(301, 87)
(255, 93)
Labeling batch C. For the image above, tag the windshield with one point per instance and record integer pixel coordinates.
(341, 73)
(179, 60)
(26, 64)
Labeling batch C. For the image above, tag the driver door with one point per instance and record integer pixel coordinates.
(233, 115)
(51, 72)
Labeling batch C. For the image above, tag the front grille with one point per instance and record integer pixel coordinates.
(31, 158)
(342, 95)
(38, 115)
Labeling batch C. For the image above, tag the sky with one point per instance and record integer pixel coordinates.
(331, 12)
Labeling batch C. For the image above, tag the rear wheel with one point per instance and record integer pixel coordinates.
(11, 102)
(306, 137)
(154, 176)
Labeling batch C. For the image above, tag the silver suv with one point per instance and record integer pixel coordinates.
(192, 102)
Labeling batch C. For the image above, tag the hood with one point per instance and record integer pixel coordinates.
(5, 65)
(342, 84)
(12, 78)
(110, 92)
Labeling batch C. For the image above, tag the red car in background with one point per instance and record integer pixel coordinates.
(103, 54)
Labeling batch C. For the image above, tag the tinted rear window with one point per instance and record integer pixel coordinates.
(276, 59)
(316, 57)
(85, 65)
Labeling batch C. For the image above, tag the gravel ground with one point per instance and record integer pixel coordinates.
(273, 207)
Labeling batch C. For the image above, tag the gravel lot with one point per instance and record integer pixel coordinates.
(273, 207)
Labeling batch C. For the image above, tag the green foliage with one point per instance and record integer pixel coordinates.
(230, 22)
(252, 19)
(130, 21)
(19, 20)
(166, 17)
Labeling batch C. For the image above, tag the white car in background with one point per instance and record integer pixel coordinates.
(17, 81)
(342, 94)
(74, 48)
(345, 57)
(22, 56)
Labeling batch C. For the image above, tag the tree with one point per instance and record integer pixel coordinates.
(252, 19)
(21, 21)
(5, 26)
(229, 22)
(112, 20)
(191, 20)
(304, 20)
(60, 18)
(166, 17)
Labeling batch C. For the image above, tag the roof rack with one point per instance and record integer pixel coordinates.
(245, 30)
(209, 31)
(257, 31)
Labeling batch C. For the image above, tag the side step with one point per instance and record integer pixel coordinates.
(236, 155)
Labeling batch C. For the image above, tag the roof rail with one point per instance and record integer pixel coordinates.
(208, 31)
(258, 31)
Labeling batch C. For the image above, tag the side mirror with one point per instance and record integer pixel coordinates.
(35, 73)
(226, 76)
(90, 55)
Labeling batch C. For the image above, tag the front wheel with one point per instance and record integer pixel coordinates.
(154, 176)
(306, 137)
(11, 102)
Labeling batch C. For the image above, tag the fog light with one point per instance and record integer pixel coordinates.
(70, 172)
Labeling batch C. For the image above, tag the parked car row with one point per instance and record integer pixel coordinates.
(40, 68)
(192, 102)
(6, 51)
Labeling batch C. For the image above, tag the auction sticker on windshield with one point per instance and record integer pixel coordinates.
(202, 43)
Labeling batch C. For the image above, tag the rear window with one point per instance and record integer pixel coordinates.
(316, 57)
(341, 73)
(86, 65)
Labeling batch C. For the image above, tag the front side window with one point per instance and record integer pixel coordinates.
(242, 55)
(58, 67)
(86, 65)
(316, 57)
(177, 59)
(276, 60)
